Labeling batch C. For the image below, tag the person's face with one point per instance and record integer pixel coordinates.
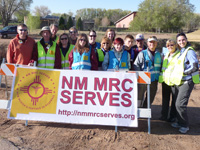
(82, 41)
(182, 41)
(54, 30)
(73, 34)
(140, 43)
(118, 47)
(152, 45)
(105, 46)
(22, 31)
(110, 35)
(92, 37)
(128, 42)
(46, 35)
(64, 40)
(171, 47)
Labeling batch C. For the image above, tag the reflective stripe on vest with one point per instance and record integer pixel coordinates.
(81, 62)
(154, 69)
(167, 68)
(177, 74)
(114, 63)
(65, 59)
(46, 60)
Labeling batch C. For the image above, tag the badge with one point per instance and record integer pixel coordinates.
(20, 41)
(123, 64)
(51, 52)
(85, 58)
(48, 46)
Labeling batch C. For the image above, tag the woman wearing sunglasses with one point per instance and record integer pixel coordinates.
(82, 57)
(167, 67)
(65, 49)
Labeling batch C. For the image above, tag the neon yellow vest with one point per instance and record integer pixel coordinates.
(100, 55)
(167, 68)
(177, 74)
(65, 59)
(46, 60)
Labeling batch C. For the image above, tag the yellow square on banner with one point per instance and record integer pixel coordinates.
(35, 91)
(85, 57)
(123, 64)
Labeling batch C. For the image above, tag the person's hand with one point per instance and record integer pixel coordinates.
(30, 64)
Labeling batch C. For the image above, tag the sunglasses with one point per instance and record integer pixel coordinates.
(82, 40)
(72, 32)
(92, 35)
(23, 30)
(63, 39)
(172, 45)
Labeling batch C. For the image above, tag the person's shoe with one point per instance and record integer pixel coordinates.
(184, 130)
(175, 125)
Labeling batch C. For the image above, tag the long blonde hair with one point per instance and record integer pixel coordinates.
(78, 46)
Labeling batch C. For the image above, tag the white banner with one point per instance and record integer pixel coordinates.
(71, 96)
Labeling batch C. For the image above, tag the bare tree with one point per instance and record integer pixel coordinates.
(105, 22)
(41, 11)
(8, 7)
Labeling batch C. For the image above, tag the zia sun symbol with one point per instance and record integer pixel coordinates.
(36, 90)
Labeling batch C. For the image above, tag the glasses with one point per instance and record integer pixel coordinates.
(92, 35)
(72, 32)
(63, 39)
(23, 30)
(172, 45)
(82, 40)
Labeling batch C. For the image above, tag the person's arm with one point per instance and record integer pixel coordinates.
(105, 62)
(139, 62)
(57, 64)
(94, 61)
(193, 62)
(70, 59)
(10, 53)
(129, 62)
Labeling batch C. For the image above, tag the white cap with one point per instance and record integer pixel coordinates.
(139, 36)
(153, 38)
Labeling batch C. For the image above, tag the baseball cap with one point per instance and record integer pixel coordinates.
(139, 36)
(45, 28)
(152, 38)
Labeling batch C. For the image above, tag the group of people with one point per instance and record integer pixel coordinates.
(177, 69)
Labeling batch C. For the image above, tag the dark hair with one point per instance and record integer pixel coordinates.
(119, 41)
(181, 34)
(59, 41)
(21, 25)
(129, 36)
(77, 45)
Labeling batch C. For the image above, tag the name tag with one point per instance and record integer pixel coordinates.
(123, 64)
(51, 52)
(85, 57)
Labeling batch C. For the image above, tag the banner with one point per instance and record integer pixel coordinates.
(73, 96)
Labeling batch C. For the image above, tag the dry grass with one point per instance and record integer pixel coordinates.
(194, 36)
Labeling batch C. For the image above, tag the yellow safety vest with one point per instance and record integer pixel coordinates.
(46, 60)
(177, 74)
(65, 59)
(168, 67)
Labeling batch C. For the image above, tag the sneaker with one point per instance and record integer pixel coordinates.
(175, 125)
(184, 130)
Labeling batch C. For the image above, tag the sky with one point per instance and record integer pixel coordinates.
(65, 6)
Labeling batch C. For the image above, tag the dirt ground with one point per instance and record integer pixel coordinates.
(59, 136)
